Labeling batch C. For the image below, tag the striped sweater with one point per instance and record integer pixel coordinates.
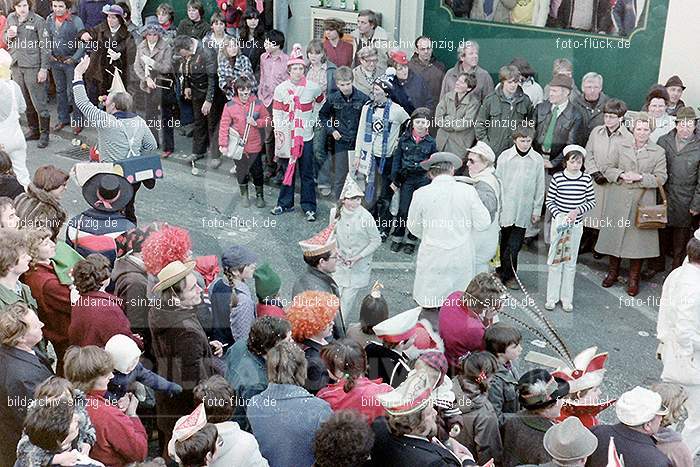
(565, 193)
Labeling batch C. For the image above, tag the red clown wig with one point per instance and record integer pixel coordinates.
(164, 246)
(311, 312)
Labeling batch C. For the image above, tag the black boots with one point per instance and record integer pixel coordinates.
(44, 129)
(259, 197)
(245, 202)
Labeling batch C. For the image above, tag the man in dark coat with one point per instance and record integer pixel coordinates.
(407, 435)
(590, 102)
(552, 136)
(639, 411)
(682, 147)
(22, 368)
(424, 64)
(183, 353)
(320, 256)
(196, 67)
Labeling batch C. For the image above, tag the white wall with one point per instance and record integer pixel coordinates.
(680, 53)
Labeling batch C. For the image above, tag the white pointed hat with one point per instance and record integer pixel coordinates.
(117, 83)
(351, 189)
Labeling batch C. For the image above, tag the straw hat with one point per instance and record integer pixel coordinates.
(172, 274)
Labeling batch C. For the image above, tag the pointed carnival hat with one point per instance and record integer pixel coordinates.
(413, 395)
(117, 82)
(588, 372)
(351, 189)
(296, 56)
(186, 427)
(398, 328)
(319, 244)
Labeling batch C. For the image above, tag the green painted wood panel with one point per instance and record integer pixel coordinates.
(629, 67)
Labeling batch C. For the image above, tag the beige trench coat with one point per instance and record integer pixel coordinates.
(618, 234)
(598, 159)
(456, 123)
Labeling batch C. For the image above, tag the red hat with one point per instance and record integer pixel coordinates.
(296, 56)
(588, 372)
(164, 246)
(399, 57)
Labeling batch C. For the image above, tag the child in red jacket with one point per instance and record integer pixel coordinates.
(237, 114)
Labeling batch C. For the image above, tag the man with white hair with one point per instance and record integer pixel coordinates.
(590, 102)
(468, 62)
(678, 331)
(640, 412)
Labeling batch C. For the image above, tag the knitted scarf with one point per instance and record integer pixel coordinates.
(296, 137)
(371, 176)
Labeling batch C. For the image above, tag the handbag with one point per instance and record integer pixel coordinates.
(235, 142)
(654, 216)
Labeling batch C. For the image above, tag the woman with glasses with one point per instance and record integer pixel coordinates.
(368, 70)
(482, 174)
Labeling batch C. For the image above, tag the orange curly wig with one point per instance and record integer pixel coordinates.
(311, 312)
(164, 246)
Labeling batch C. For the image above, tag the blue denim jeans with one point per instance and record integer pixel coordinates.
(305, 171)
(63, 77)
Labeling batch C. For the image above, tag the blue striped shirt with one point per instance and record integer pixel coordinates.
(565, 194)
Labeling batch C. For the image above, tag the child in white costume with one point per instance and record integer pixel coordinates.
(357, 238)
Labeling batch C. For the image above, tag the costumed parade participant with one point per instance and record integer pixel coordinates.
(358, 238)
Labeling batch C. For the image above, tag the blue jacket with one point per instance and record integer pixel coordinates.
(247, 375)
(343, 114)
(64, 42)
(285, 418)
(408, 156)
(119, 385)
(412, 93)
(91, 12)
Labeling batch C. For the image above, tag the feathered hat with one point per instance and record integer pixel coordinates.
(319, 244)
(296, 56)
(588, 371)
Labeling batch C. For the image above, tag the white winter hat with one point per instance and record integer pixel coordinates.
(124, 352)
(638, 406)
(485, 151)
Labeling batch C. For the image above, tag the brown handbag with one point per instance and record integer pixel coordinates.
(654, 216)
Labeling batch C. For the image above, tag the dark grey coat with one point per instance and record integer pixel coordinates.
(313, 279)
(20, 373)
(522, 435)
(636, 448)
(480, 433)
(567, 130)
(592, 114)
(503, 391)
(500, 113)
(682, 187)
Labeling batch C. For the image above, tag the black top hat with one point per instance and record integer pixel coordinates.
(107, 192)
(539, 389)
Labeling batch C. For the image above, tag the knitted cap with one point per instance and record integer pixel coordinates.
(296, 56)
(267, 282)
(385, 81)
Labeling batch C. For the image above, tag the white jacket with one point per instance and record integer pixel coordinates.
(239, 448)
(678, 326)
(522, 180)
(444, 215)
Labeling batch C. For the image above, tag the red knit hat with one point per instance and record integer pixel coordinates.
(296, 56)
